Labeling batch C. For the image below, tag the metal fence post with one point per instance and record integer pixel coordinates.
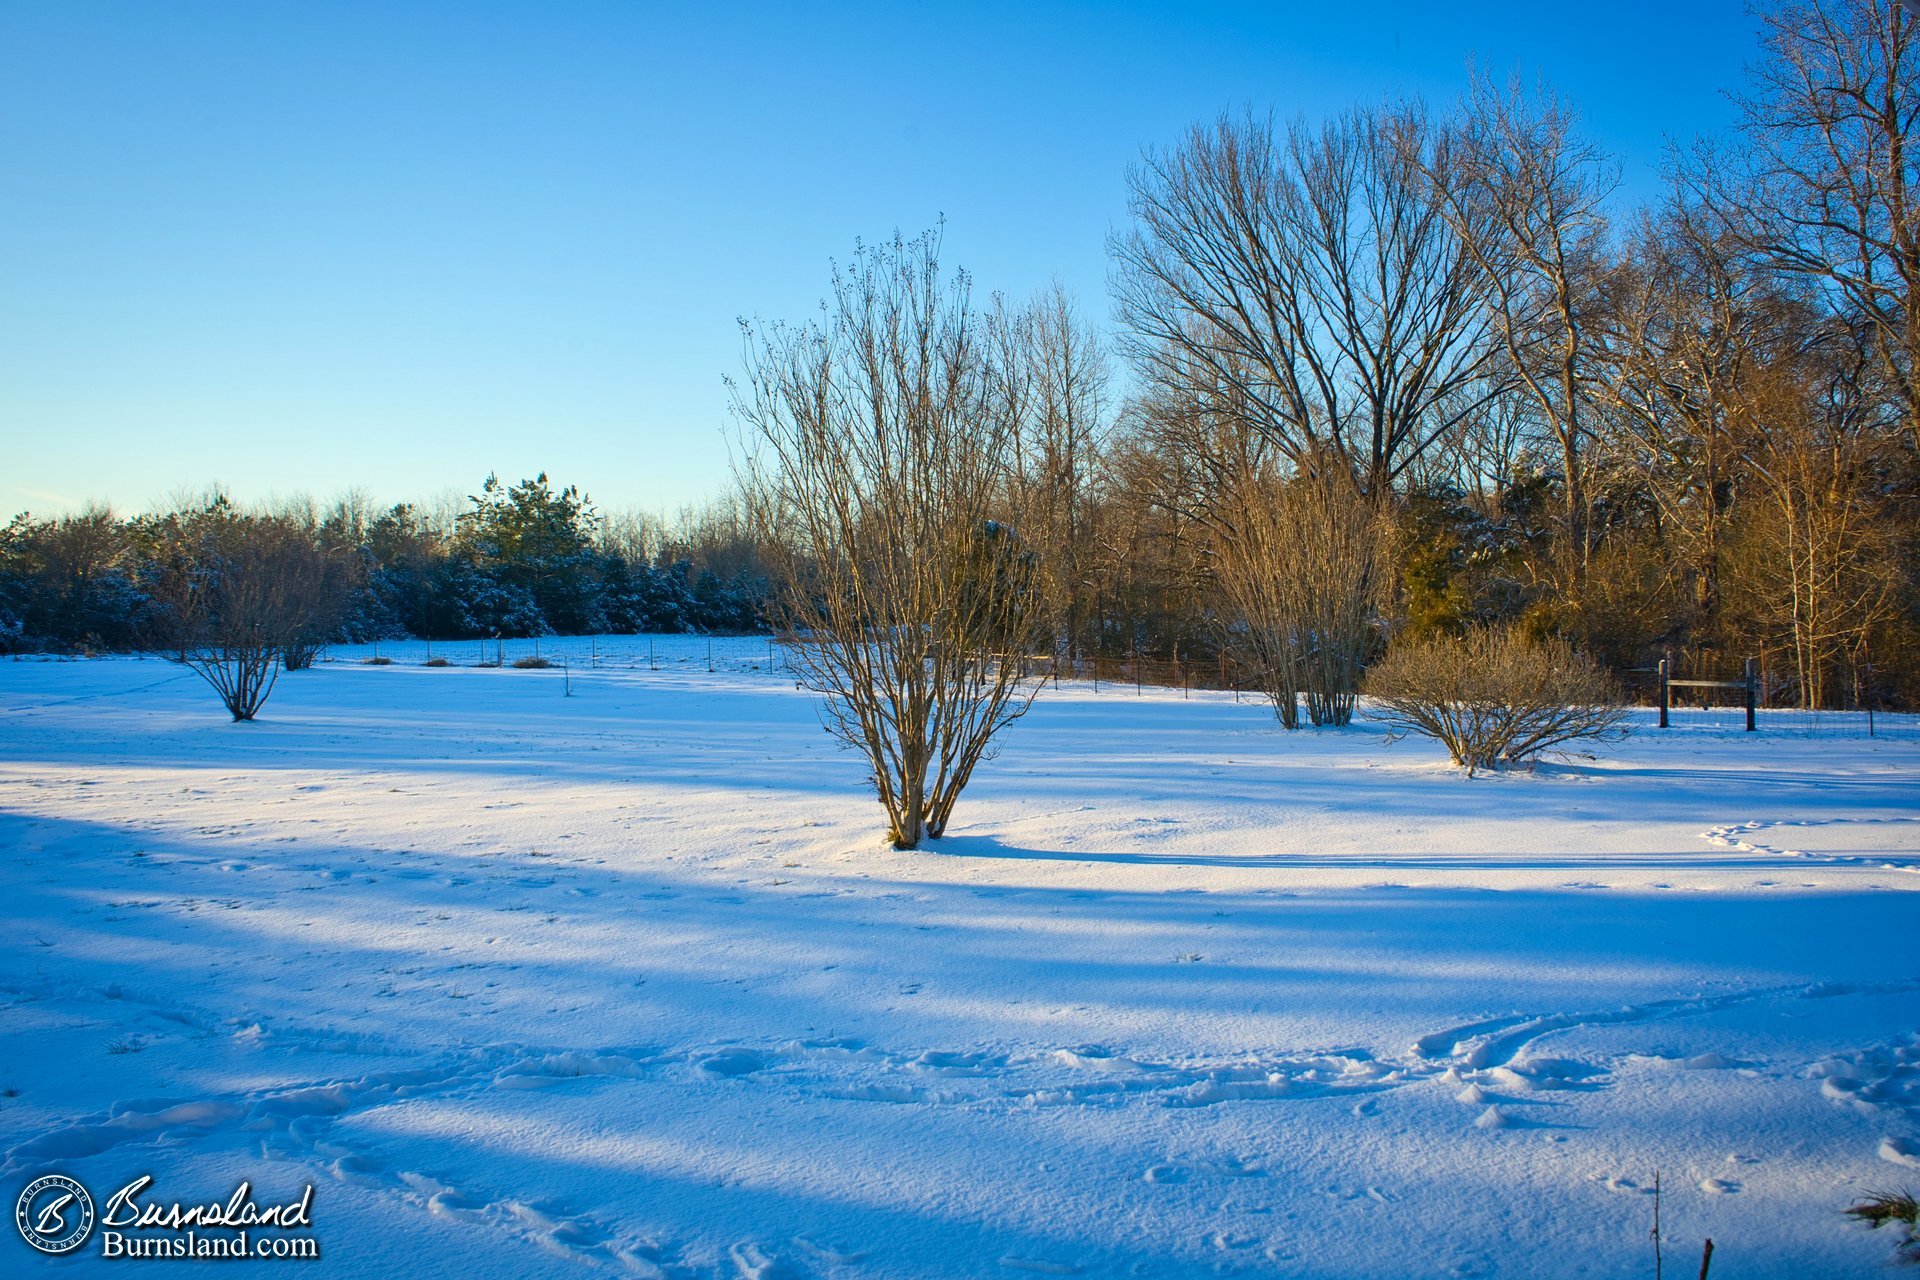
(1873, 697)
(1753, 686)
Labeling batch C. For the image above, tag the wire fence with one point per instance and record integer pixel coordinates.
(738, 655)
(1694, 711)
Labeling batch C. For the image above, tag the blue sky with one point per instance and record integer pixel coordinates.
(302, 247)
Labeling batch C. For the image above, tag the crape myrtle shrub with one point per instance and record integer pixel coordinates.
(525, 559)
(1493, 697)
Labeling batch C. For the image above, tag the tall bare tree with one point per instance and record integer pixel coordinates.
(1820, 559)
(1826, 184)
(879, 445)
(1526, 195)
(1316, 275)
(1692, 322)
(1059, 364)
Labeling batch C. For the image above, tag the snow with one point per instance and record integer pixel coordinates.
(626, 981)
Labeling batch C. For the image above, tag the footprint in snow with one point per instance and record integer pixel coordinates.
(729, 1063)
(751, 1262)
(1040, 1266)
(831, 1254)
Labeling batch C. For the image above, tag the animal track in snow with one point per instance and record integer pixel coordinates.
(1892, 843)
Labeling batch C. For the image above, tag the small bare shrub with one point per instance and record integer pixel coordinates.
(1495, 698)
(531, 663)
(437, 662)
(299, 654)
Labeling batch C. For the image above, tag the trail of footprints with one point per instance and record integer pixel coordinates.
(1484, 1062)
(1747, 838)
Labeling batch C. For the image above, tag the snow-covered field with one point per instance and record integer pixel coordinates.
(534, 984)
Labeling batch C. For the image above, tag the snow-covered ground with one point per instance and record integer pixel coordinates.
(530, 984)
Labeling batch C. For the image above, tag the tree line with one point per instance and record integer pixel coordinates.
(524, 559)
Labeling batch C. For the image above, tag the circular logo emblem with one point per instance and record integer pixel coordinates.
(54, 1214)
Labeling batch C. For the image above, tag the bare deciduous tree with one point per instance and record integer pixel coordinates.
(1059, 366)
(1827, 186)
(1820, 560)
(1300, 558)
(1315, 275)
(1526, 195)
(1690, 322)
(879, 446)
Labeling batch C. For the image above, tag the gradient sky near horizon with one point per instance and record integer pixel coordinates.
(297, 248)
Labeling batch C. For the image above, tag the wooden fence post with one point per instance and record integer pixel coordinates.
(1666, 673)
(1753, 689)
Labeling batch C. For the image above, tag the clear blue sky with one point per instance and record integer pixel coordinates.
(302, 247)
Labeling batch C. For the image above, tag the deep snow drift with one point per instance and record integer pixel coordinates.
(529, 984)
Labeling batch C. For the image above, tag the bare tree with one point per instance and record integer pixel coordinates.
(1526, 195)
(1826, 185)
(1059, 367)
(1300, 558)
(1819, 553)
(879, 447)
(1297, 553)
(1317, 277)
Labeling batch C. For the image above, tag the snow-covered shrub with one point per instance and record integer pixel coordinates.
(1494, 698)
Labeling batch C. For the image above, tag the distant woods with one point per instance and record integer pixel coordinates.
(511, 560)
(1404, 373)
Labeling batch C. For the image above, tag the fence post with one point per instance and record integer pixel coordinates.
(1753, 686)
(1873, 697)
(1666, 672)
